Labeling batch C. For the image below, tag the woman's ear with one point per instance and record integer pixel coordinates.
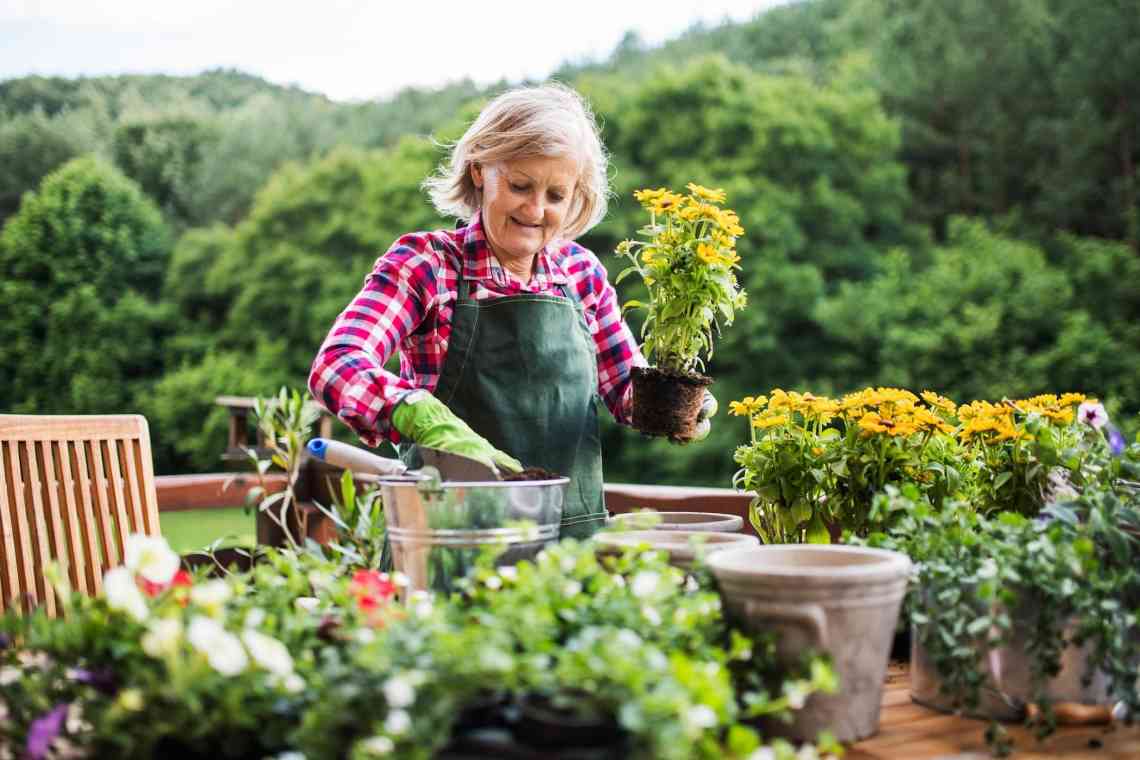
(477, 175)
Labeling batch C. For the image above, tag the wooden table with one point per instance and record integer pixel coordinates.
(910, 732)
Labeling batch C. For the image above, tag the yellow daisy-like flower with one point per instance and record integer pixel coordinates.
(939, 402)
(747, 406)
(667, 203)
(769, 421)
(1068, 399)
(649, 255)
(648, 196)
(707, 194)
(730, 222)
(708, 254)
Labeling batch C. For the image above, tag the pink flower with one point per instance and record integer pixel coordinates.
(1092, 413)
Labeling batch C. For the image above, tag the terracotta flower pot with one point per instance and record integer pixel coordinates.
(843, 600)
(667, 403)
(677, 543)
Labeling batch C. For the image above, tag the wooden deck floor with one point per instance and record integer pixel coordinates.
(910, 732)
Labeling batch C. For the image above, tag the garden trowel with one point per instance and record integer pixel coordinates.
(452, 467)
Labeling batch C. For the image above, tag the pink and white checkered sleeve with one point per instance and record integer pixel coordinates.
(348, 375)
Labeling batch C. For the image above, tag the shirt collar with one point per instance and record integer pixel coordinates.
(479, 263)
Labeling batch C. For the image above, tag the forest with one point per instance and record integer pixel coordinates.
(934, 195)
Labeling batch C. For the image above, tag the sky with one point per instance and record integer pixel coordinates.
(346, 49)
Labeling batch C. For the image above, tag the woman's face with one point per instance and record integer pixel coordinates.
(524, 203)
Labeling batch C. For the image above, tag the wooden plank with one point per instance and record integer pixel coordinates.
(46, 427)
(9, 550)
(98, 483)
(39, 525)
(145, 463)
(78, 540)
(50, 485)
(115, 479)
(129, 459)
(90, 524)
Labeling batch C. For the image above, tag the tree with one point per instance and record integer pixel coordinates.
(81, 266)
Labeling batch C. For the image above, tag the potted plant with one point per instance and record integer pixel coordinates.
(687, 263)
(1017, 618)
(815, 463)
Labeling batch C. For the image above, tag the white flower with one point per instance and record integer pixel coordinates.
(364, 635)
(254, 618)
(797, 693)
(398, 722)
(320, 581)
(400, 580)
(162, 637)
(807, 752)
(656, 659)
(122, 593)
(494, 583)
(651, 615)
(567, 564)
(619, 581)
(9, 675)
(988, 568)
(268, 652)
(644, 583)
(399, 692)
(151, 557)
(691, 585)
(377, 745)
(573, 588)
(75, 723)
(290, 755)
(307, 603)
(223, 650)
(1092, 413)
(700, 717)
(628, 638)
(293, 683)
(211, 595)
(510, 572)
(764, 753)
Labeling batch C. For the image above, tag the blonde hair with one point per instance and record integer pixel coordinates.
(552, 120)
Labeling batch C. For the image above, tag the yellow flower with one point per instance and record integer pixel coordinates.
(708, 254)
(649, 255)
(1068, 399)
(707, 194)
(730, 222)
(939, 402)
(667, 203)
(748, 406)
(647, 196)
(770, 420)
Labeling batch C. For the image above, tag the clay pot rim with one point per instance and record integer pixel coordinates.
(759, 562)
(672, 540)
(707, 518)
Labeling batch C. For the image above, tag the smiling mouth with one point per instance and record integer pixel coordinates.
(524, 224)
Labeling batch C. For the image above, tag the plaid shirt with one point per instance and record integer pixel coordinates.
(407, 302)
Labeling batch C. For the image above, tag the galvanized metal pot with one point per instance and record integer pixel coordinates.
(438, 528)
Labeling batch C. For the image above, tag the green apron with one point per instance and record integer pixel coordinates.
(522, 372)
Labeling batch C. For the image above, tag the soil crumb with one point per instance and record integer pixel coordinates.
(533, 473)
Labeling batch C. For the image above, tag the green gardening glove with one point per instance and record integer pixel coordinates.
(425, 419)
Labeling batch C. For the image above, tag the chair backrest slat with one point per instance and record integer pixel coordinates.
(72, 488)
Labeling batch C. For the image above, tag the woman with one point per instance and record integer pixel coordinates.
(507, 330)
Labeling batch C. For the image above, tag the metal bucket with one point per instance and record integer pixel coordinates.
(438, 529)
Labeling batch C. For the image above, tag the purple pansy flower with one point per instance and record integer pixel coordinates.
(44, 730)
(1116, 443)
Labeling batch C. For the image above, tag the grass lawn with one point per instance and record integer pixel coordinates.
(192, 530)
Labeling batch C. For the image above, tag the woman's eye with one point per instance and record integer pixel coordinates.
(518, 188)
(556, 197)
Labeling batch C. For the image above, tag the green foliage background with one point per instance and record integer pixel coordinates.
(935, 195)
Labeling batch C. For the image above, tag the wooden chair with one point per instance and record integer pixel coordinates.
(72, 488)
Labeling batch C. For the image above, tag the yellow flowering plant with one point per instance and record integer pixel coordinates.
(688, 264)
(815, 463)
(1027, 452)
